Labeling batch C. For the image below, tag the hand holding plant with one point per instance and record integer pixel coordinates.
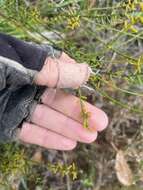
(57, 122)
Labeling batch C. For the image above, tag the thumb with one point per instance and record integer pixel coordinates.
(72, 75)
(56, 73)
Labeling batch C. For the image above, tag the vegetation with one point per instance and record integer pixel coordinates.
(108, 35)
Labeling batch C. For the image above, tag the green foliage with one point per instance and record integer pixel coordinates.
(64, 170)
(16, 164)
(84, 113)
(13, 164)
(11, 159)
(87, 183)
(19, 18)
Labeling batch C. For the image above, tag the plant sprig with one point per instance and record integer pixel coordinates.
(84, 113)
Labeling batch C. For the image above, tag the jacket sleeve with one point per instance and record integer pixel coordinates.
(19, 62)
(30, 55)
(17, 93)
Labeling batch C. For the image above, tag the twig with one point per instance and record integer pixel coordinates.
(67, 176)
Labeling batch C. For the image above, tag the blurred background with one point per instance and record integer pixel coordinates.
(108, 35)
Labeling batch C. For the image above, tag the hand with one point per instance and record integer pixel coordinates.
(57, 122)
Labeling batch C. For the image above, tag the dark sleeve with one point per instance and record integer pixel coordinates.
(19, 62)
(17, 93)
(30, 55)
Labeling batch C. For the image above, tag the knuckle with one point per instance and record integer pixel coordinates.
(48, 96)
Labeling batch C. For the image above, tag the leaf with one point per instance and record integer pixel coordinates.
(123, 171)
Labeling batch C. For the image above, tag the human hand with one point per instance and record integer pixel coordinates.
(57, 122)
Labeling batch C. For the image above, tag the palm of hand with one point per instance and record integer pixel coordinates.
(56, 123)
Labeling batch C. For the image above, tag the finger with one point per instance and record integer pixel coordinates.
(66, 58)
(70, 106)
(72, 75)
(34, 134)
(56, 73)
(61, 124)
(48, 75)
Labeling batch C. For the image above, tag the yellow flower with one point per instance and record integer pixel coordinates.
(132, 20)
(133, 29)
(129, 2)
(126, 24)
(133, 7)
(74, 22)
(141, 19)
(141, 6)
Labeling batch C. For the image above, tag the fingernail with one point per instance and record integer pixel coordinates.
(69, 144)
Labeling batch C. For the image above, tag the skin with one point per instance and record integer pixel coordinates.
(56, 122)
